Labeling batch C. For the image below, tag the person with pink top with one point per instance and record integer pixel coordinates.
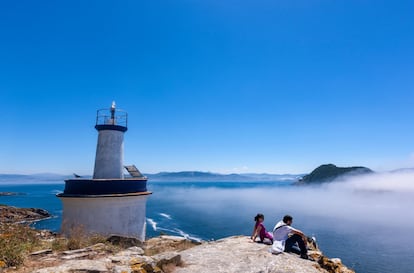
(260, 230)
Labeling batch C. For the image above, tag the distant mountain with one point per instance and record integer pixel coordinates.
(330, 172)
(196, 176)
(403, 170)
(41, 178)
(186, 176)
(272, 177)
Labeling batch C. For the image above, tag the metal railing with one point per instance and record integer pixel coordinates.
(112, 117)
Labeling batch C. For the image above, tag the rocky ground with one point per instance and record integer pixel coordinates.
(176, 254)
(163, 254)
(10, 214)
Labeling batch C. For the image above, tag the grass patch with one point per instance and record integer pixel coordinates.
(78, 238)
(16, 241)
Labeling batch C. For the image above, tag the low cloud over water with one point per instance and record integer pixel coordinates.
(384, 200)
(365, 220)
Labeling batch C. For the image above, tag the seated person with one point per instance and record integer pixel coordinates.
(260, 230)
(281, 237)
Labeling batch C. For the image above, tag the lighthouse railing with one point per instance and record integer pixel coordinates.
(106, 117)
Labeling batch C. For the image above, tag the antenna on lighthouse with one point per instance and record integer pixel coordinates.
(113, 112)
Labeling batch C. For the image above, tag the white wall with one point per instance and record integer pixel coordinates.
(125, 216)
(109, 155)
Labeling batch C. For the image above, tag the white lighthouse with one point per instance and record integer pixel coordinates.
(109, 203)
(110, 148)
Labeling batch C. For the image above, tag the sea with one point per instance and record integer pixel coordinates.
(371, 230)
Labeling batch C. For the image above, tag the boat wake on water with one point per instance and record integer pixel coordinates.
(152, 223)
(176, 231)
(182, 234)
(165, 215)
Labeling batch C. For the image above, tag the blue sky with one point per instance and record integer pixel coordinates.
(222, 86)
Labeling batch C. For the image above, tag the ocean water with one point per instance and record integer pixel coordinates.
(370, 230)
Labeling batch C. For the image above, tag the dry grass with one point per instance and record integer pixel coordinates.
(17, 241)
(78, 238)
(154, 246)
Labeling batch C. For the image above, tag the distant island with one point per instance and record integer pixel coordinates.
(197, 176)
(8, 193)
(324, 173)
(330, 172)
(38, 178)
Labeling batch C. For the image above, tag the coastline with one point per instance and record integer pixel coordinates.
(162, 221)
(162, 254)
(174, 254)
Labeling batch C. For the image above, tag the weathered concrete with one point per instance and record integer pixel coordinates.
(124, 216)
(109, 155)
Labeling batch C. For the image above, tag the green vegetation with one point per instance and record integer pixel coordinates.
(17, 241)
(330, 172)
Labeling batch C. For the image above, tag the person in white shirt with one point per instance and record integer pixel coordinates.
(281, 233)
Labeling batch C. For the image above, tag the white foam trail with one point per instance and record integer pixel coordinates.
(165, 215)
(187, 236)
(182, 234)
(152, 223)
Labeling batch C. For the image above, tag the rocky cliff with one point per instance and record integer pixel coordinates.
(239, 254)
(330, 172)
(10, 214)
(176, 254)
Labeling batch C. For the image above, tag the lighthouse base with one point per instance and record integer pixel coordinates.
(123, 215)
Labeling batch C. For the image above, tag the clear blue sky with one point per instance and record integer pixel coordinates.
(222, 86)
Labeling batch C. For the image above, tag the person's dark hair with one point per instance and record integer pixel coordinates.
(258, 216)
(287, 218)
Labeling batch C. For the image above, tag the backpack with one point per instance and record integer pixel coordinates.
(278, 246)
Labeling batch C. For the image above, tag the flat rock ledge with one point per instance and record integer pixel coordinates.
(168, 254)
(239, 254)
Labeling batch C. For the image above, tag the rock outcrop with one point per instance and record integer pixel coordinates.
(168, 254)
(329, 173)
(239, 254)
(8, 193)
(9, 214)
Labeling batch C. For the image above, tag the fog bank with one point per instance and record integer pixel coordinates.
(376, 200)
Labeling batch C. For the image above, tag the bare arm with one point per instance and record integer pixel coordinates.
(301, 234)
(256, 231)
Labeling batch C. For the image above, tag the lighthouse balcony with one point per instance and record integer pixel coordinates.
(111, 119)
(105, 187)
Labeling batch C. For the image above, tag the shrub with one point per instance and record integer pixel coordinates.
(16, 241)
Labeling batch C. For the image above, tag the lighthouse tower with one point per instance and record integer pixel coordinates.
(110, 148)
(109, 203)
